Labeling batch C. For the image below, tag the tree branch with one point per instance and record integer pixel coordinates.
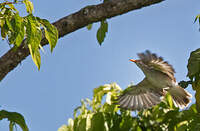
(73, 22)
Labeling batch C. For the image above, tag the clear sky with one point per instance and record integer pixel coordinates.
(78, 64)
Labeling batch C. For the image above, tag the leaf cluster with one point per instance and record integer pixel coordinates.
(101, 114)
(29, 28)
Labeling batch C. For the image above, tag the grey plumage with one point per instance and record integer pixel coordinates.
(158, 81)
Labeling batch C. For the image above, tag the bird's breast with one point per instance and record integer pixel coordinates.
(159, 79)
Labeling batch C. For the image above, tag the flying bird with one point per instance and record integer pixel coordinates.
(159, 79)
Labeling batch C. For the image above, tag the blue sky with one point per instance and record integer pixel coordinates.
(78, 64)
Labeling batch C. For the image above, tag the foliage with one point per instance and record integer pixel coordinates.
(99, 115)
(16, 28)
(194, 74)
(14, 118)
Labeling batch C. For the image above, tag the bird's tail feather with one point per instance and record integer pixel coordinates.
(140, 101)
(181, 97)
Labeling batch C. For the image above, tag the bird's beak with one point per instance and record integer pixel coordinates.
(133, 60)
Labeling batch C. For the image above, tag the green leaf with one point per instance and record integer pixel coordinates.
(97, 122)
(138, 128)
(182, 126)
(70, 125)
(76, 121)
(4, 29)
(41, 48)
(9, 23)
(101, 33)
(193, 108)
(35, 54)
(20, 35)
(51, 33)
(34, 36)
(29, 6)
(169, 100)
(126, 123)
(194, 64)
(34, 33)
(88, 121)
(82, 125)
(14, 117)
(17, 22)
(14, 25)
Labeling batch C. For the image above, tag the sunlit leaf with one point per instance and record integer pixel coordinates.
(42, 49)
(34, 36)
(20, 35)
(4, 29)
(108, 98)
(88, 121)
(29, 6)
(64, 128)
(34, 33)
(14, 25)
(169, 100)
(35, 56)
(10, 24)
(51, 33)
(12, 7)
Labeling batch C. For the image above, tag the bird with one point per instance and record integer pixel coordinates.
(159, 80)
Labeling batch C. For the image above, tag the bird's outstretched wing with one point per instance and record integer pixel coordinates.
(140, 96)
(157, 63)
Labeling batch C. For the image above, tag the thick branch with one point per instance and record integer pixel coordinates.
(73, 22)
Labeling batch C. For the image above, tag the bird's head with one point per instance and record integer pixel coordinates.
(139, 63)
(149, 62)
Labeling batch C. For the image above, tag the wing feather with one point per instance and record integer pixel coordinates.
(140, 96)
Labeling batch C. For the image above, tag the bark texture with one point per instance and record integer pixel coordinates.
(73, 22)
